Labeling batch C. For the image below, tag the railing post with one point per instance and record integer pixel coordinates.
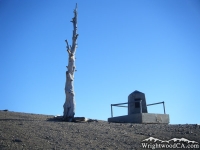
(111, 111)
(164, 106)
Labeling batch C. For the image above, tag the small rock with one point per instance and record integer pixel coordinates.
(17, 140)
(149, 134)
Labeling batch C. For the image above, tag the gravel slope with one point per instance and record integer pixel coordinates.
(34, 131)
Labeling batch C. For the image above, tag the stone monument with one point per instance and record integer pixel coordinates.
(137, 111)
(134, 100)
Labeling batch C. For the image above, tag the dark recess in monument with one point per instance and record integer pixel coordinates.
(137, 103)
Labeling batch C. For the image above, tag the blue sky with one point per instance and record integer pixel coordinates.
(123, 46)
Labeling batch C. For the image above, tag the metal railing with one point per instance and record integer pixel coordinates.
(119, 105)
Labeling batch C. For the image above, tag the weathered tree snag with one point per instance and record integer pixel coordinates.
(69, 105)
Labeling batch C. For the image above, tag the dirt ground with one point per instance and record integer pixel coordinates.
(34, 131)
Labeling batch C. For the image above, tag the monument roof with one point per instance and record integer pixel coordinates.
(136, 91)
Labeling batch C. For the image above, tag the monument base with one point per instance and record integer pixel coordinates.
(141, 118)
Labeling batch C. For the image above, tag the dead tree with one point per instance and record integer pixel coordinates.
(69, 105)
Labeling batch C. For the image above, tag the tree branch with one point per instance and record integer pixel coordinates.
(67, 45)
(73, 20)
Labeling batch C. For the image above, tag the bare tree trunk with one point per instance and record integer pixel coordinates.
(69, 105)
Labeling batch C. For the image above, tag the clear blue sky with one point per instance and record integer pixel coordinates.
(150, 46)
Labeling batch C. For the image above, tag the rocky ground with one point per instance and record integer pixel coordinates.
(34, 131)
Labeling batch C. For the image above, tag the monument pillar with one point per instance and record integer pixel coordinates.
(136, 103)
